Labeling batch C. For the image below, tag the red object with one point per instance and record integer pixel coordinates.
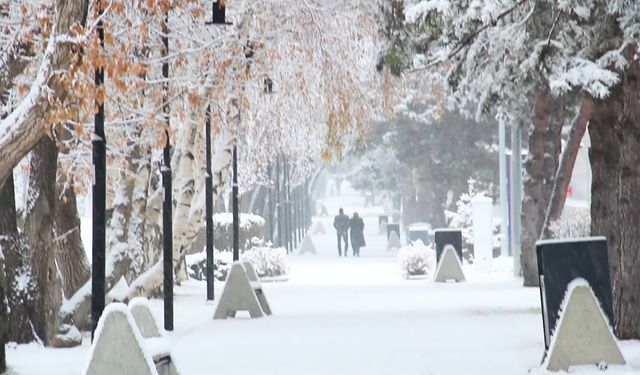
(569, 191)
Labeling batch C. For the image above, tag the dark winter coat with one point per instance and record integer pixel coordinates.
(341, 223)
(357, 232)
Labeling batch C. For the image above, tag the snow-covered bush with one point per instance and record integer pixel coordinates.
(573, 223)
(250, 226)
(416, 259)
(268, 261)
(197, 265)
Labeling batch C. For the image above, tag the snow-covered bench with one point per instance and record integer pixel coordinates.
(242, 292)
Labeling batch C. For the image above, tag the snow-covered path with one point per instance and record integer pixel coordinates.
(350, 316)
(359, 315)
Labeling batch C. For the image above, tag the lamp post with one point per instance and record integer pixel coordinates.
(209, 206)
(98, 197)
(217, 18)
(167, 222)
(236, 213)
(278, 203)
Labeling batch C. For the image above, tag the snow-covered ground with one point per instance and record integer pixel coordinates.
(351, 316)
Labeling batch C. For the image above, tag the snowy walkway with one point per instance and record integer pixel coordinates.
(350, 316)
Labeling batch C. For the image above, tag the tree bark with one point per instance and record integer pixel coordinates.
(71, 257)
(4, 318)
(615, 141)
(20, 132)
(567, 162)
(17, 270)
(39, 232)
(541, 164)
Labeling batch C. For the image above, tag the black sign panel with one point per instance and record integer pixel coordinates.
(445, 237)
(559, 263)
(419, 234)
(382, 218)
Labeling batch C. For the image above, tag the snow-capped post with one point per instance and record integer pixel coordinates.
(167, 223)
(516, 198)
(482, 231)
(504, 198)
(236, 213)
(98, 195)
(209, 205)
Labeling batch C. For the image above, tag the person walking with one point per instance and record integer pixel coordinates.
(341, 223)
(356, 225)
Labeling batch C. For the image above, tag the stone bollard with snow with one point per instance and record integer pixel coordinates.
(448, 236)
(449, 266)
(318, 228)
(119, 346)
(307, 246)
(576, 299)
(482, 232)
(394, 241)
(242, 292)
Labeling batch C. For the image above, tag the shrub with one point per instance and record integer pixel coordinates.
(574, 223)
(416, 259)
(267, 261)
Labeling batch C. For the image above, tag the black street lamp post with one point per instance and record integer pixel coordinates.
(209, 206)
(236, 213)
(278, 204)
(218, 17)
(98, 197)
(167, 222)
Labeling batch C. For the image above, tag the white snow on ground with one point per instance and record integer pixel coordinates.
(352, 316)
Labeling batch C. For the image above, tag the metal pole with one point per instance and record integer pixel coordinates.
(300, 215)
(294, 211)
(270, 197)
(504, 203)
(167, 224)
(209, 206)
(278, 205)
(516, 194)
(287, 205)
(236, 213)
(99, 198)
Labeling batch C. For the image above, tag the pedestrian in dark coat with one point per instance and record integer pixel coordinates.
(341, 223)
(357, 233)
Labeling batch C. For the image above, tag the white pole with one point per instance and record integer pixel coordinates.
(482, 208)
(516, 196)
(504, 203)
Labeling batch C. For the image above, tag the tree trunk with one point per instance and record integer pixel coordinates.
(20, 286)
(24, 128)
(71, 257)
(4, 318)
(567, 162)
(39, 231)
(541, 164)
(615, 212)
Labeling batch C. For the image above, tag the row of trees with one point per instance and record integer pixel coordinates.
(544, 65)
(317, 59)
